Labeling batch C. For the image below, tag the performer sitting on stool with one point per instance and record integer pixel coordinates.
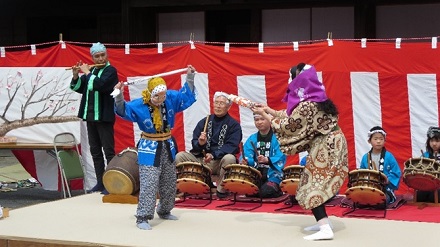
(378, 158)
(262, 151)
(432, 152)
(217, 143)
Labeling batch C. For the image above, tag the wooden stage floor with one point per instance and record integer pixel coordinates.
(86, 221)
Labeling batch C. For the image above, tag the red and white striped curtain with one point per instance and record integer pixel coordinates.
(379, 83)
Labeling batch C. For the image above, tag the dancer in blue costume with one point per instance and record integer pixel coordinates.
(154, 113)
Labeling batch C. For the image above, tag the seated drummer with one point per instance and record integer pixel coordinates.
(216, 140)
(379, 159)
(432, 152)
(262, 152)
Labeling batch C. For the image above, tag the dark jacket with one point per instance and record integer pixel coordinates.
(96, 103)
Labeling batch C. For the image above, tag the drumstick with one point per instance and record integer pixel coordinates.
(204, 130)
(146, 78)
(240, 150)
(255, 148)
(206, 123)
(91, 66)
(372, 162)
(257, 153)
(374, 165)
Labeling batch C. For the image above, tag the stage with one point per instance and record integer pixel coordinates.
(85, 220)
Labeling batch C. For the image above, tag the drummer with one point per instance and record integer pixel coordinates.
(432, 152)
(155, 114)
(262, 152)
(216, 141)
(379, 159)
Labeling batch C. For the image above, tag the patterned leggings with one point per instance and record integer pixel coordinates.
(160, 179)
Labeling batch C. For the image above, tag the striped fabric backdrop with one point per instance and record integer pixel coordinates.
(383, 84)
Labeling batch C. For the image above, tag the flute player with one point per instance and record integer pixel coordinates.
(97, 107)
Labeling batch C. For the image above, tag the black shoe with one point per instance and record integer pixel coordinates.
(222, 195)
(104, 192)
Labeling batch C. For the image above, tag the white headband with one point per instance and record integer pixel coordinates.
(219, 93)
(159, 88)
(377, 131)
(97, 47)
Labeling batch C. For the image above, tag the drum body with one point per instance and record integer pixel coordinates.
(366, 187)
(121, 177)
(193, 178)
(422, 174)
(241, 179)
(291, 178)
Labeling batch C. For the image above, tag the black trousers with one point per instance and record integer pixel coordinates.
(101, 139)
(319, 212)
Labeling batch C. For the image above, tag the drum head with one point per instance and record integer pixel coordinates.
(420, 181)
(117, 182)
(289, 186)
(365, 195)
(192, 186)
(239, 186)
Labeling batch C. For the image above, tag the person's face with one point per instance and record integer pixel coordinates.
(221, 106)
(434, 143)
(100, 57)
(261, 123)
(158, 98)
(290, 75)
(377, 141)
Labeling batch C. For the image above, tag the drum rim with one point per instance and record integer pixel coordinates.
(420, 158)
(419, 174)
(192, 163)
(192, 180)
(291, 180)
(293, 167)
(365, 170)
(243, 166)
(368, 171)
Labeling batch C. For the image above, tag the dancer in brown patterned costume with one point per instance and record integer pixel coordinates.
(310, 123)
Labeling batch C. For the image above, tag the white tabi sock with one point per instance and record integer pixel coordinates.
(325, 233)
(144, 226)
(316, 227)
